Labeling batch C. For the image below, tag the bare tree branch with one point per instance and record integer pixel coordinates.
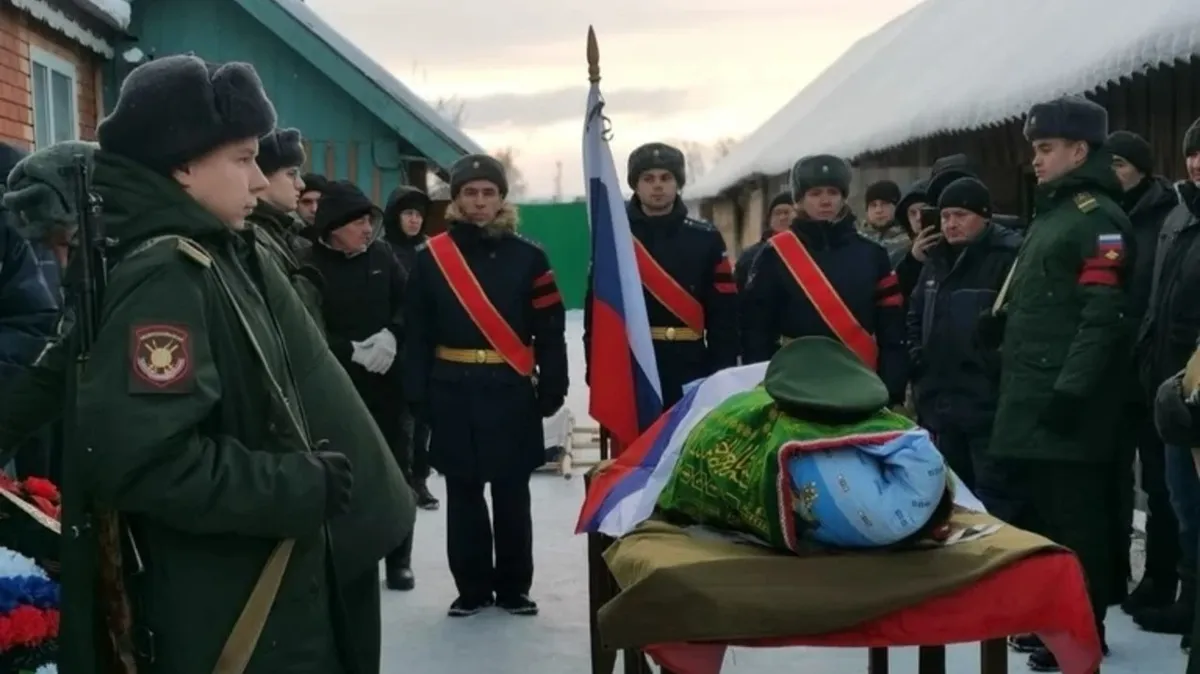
(517, 187)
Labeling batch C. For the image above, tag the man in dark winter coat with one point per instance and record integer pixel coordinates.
(1065, 334)
(908, 215)
(364, 323)
(1147, 199)
(310, 197)
(1167, 337)
(28, 311)
(789, 294)
(881, 224)
(193, 411)
(780, 213)
(404, 223)
(404, 228)
(485, 360)
(956, 380)
(280, 156)
(41, 197)
(691, 296)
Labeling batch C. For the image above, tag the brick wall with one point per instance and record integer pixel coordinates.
(17, 32)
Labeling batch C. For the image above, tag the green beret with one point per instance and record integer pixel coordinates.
(821, 374)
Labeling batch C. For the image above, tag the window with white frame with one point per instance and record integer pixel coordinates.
(55, 105)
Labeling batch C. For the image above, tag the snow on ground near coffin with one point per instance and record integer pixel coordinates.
(954, 65)
(418, 637)
(577, 396)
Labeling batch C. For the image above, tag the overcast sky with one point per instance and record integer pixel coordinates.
(672, 69)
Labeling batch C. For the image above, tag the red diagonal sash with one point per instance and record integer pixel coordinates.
(667, 290)
(824, 298)
(475, 301)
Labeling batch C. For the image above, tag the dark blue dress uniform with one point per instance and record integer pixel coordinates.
(692, 253)
(485, 417)
(776, 309)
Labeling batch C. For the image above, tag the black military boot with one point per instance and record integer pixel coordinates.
(425, 499)
(1150, 593)
(398, 568)
(1042, 660)
(1025, 643)
(1175, 618)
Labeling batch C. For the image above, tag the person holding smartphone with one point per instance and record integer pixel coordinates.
(956, 379)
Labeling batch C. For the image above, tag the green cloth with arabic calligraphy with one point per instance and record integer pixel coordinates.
(727, 475)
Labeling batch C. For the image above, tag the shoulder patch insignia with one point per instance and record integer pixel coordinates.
(194, 253)
(160, 356)
(1086, 202)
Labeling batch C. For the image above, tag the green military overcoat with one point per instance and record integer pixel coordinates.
(1067, 327)
(186, 439)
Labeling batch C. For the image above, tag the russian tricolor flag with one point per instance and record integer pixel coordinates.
(624, 494)
(625, 396)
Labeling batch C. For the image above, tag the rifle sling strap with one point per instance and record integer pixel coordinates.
(243, 639)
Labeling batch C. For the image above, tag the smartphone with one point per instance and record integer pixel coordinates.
(931, 216)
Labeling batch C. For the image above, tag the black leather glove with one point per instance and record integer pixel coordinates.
(989, 329)
(339, 481)
(1063, 414)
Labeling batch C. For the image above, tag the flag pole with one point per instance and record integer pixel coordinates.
(593, 61)
(593, 56)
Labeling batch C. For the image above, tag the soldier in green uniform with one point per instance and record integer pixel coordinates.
(280, 157)
(208, 392)
(1063, 326)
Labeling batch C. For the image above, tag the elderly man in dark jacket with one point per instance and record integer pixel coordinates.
(1147, 199)
(363, 315)
(28, 311)
(1166, 339)
(956, 380)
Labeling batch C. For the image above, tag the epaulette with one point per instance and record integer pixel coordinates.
(526, 240)
(699, 224)
(194, 252)
(1085, 202)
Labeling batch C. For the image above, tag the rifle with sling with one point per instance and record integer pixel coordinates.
(96, 543)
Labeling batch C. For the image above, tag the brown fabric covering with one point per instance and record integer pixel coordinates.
(681, 588)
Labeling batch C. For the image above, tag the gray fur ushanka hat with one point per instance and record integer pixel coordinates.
(178, 108)
(280, 149)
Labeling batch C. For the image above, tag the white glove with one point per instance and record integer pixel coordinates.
(360, 353)
(380, 352)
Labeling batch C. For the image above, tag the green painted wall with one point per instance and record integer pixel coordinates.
(562, 230)
(346, 140)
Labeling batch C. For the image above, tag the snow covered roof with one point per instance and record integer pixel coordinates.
(956, 65)
(113, 13)
(382, 79)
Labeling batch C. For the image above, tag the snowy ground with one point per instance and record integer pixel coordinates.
(419, 637)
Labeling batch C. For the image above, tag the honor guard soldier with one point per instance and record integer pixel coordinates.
(821, 278)
(691, 295)
(485, 361)
(197, 427)
(280, 157)
(1064, 330)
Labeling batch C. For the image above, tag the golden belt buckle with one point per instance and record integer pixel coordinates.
(670, 334)
(480, 356)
